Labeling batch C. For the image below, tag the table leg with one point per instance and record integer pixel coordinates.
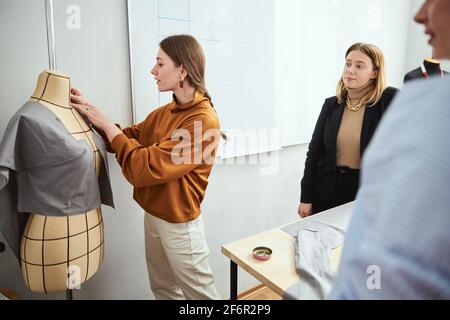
(233, 280)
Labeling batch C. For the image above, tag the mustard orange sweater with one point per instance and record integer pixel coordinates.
(162, 158)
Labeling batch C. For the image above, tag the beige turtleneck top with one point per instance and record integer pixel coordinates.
(348, 142)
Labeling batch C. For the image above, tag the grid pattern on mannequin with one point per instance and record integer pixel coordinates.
(64, 242)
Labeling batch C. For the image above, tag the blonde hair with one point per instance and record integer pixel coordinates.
(185, 50)
(376, 55)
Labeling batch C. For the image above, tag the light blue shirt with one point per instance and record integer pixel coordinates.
(398, 241)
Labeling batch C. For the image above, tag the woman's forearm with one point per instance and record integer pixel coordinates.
(111, 131)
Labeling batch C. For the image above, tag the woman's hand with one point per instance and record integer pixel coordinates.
(304, 209)
(77, 97)
(95, 116)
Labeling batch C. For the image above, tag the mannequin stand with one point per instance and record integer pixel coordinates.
(69, 294)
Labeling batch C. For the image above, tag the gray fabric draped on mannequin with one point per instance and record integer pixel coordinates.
(43, 169)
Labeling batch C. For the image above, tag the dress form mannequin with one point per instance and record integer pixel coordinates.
(429, 68)
(432, 67)
(52, 247)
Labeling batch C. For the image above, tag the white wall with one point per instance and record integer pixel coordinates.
(240, 201)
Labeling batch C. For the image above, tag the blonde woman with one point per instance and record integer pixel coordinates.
(168, 158)
(345, 127)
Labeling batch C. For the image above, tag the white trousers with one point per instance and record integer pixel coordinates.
(177, 260)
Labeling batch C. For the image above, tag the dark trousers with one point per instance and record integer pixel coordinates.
(344, 190)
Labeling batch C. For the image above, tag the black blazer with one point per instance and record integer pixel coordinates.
(320, 166)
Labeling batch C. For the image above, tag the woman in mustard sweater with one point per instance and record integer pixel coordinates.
(168, 158)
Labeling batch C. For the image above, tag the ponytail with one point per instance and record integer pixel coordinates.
(206, 94)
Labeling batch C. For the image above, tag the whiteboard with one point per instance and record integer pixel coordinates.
(270, 64)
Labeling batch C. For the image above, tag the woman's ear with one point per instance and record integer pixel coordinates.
(183, 71)
(374, 74)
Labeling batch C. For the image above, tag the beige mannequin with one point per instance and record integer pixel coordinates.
(432, 67)
(432, 60)
(53, 247)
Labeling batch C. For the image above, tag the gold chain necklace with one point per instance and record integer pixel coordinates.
(352, 107)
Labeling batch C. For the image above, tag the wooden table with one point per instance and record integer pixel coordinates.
(9, 294)
(279, 272)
